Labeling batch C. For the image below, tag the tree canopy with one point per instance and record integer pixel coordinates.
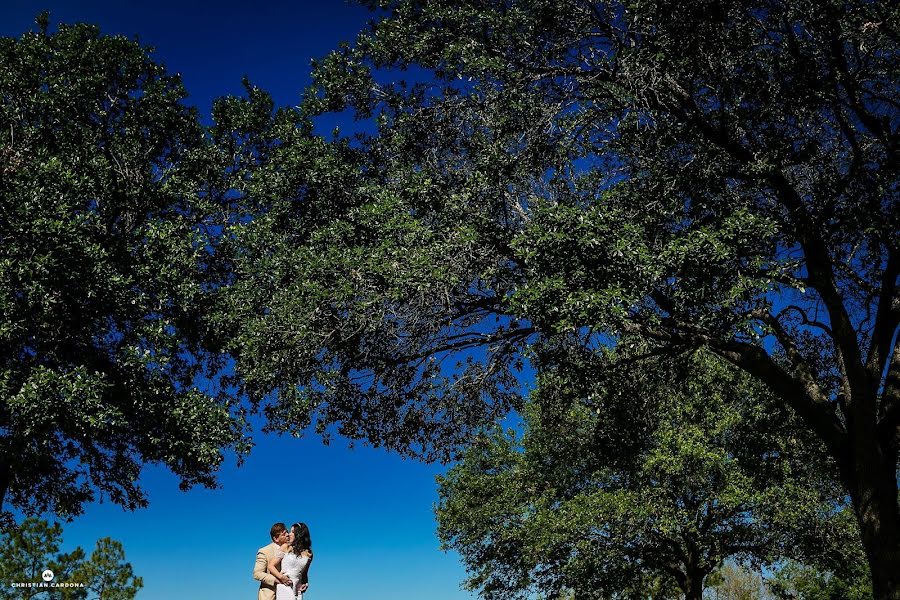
(649, 480)
(104, 275)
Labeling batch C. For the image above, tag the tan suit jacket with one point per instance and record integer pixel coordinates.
(261, 573)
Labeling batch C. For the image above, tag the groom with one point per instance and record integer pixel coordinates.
(267, 581)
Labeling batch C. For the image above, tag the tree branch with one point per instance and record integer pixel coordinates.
(462, 342)
(887, 318)
(805, 317)
(802, 393)
(818, 261)
(889, 424)
(798, 362)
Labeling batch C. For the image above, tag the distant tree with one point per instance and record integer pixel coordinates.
(104, 263)
(29, 549)
(736, 582)
(698, 173)
(649, 480)
(106, 575)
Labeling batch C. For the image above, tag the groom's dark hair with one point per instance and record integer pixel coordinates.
(276, 530)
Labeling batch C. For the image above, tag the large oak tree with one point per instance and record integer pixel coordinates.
(697, 173)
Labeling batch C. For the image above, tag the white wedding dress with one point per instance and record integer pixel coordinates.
(294, 567)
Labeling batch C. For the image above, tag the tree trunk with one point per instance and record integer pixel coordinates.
(693, 590)
(692, 583)
(870, 476)
(875, 506)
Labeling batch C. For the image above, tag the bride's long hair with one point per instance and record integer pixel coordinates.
(301, 539)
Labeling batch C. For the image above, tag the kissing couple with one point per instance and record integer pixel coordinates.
(282, 566)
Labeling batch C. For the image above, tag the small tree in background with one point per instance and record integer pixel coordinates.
(107, 575)
(735, 582)
(32, 547)
(27, 550)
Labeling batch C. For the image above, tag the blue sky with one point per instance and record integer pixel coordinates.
(369, 511)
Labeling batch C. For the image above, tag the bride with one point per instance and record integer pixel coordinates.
(292, 563)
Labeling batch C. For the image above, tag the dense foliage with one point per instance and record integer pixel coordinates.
(846, 581)
(103, 275)
(650, 480)
(335, 313)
